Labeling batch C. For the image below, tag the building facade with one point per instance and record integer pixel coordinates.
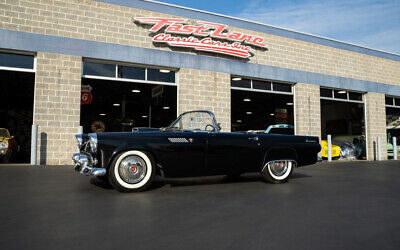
(104, 49)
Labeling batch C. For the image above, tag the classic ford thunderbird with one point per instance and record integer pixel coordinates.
(191, 146)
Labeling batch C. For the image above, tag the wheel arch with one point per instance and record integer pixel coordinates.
(120, 150)
(280, 153)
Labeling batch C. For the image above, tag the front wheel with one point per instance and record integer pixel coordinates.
(131, 171)
(277, 171)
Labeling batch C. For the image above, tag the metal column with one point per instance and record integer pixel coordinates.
(378, 149)
(34, 144)
(394, 148)
(329, 139)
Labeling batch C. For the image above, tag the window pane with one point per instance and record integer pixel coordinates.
(98, 69)
(282, 87)
(340, 94)
(261, 85)
(326, 92)
(397, 101)
(16, 61)
(160, 76)
(242, 83)
(131, 72)
(355, 96)
(389, 100)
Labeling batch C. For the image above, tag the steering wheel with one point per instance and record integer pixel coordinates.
(209, 125)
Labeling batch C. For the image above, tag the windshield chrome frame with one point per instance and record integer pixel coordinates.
(214, 121)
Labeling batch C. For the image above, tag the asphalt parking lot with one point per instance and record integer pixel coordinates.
(340, 205)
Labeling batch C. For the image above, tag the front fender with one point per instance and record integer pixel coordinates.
(127, 147)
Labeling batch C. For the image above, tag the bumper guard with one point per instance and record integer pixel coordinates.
(84, 165)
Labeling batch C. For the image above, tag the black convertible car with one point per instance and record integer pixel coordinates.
(191, 146)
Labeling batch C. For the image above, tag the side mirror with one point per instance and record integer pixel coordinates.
(219, 126)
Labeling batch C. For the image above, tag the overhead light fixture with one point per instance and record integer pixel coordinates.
(165, 70)
(247, 100)
(236, 78)
(165, 107)
(102, 114)
(289, 103)
(272, 114)
(249, 112)
(239, 121)
(144, 116)
(135, 90)
(342, 91)
(116, 104)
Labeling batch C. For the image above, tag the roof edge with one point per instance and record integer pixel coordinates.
(267, 25)
(172, 9)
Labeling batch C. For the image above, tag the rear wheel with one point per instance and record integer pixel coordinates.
(132, 171)
(277, 171)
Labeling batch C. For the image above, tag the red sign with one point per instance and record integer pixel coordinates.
(201, 36)
(86, 94)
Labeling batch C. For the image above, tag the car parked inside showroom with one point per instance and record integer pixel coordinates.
(193, 145)
(8, 146)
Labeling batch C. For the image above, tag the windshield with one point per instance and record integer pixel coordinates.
(197, 120)
(4, 132)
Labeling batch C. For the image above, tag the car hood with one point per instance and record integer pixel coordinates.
(145, 129)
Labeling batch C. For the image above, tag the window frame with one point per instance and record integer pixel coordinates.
(116, 78)
(393, 101)
(33, 70)
(270, 82)
(333, 98)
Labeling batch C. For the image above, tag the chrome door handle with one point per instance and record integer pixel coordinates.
(253, 138)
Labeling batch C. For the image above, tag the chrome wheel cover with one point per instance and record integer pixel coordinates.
(132, 169)
(278, 168)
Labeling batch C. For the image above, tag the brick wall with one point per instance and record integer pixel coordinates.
(90, 20)
(375, 119)
(205, 90)
(57, 106)
(307, 109)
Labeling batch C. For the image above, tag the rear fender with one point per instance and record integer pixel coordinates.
(280, 153)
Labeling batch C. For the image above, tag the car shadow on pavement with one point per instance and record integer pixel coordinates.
(100, 183)
(197, 181)
(211, 180)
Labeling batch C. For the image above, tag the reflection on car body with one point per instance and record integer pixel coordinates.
(193, 145)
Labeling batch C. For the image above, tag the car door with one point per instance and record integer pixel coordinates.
(182, 154)
(232, 152)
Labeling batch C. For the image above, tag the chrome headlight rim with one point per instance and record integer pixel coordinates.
(79, 139)
(93, 142)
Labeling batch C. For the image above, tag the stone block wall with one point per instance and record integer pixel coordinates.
(57, 106)
(207, 90)
(375, 123)
(102, 22)
(307, 109)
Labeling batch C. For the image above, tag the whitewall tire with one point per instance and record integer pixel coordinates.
(131, 171)
(277, 171)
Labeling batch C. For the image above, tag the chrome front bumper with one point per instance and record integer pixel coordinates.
(84, 165)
